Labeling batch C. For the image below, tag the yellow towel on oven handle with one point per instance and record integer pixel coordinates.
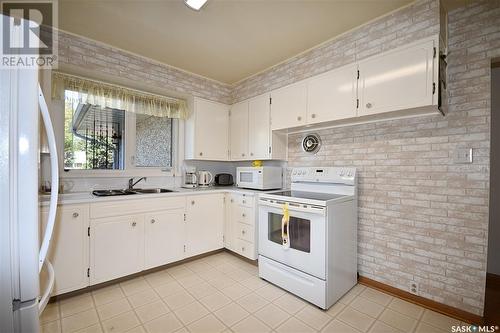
(285, 237)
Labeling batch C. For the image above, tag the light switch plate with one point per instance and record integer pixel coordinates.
(463, 155)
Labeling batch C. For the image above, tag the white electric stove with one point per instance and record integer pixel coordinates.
(313, 254)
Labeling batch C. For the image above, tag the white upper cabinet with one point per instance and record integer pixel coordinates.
(398, 79)
(332, 96)
(206, 132)
(288, 107)
(238, 120)
(259, 127)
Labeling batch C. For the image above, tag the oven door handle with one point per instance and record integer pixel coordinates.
(285, 229)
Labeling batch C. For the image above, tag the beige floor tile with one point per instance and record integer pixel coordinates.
(252, 302)
(189, 280)
(226, 267)
(143, 297)
(336, 326)
(180, 271)
(239, 274)
(137, 329)
(198, 266)
(272, 316)
(376, 296)
(222, 282)
(270, 292)
(191, 312)
(290, 303)
(134, 286)
(398, 320)
(164, 324)
(96, 328)
(380, 327)
(236, 291)
(107, 295)
(51, 327)
(250, 325)
(113, 309)
(168, 289)
(367, 307)
(335, 309)
(215, 301)
(207, 324)
(151, 311)
(293, 325)
(313, 317)
(76, 304)
(356, 319)
(158, 278)
(231, 314)
(50, 313)
(210, 274)
(178, 300)
(254, 283)
(80, 320)
(438, 320)
(121, 323)
(423, 327)
(201, 290)
(406, 308)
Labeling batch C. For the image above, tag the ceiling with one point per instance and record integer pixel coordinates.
(228, 40)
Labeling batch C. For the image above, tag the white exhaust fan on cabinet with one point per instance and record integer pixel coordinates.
(195, 4)
(311, 143)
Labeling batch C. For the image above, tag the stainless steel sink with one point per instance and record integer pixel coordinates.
(151, 190)
(110, 193)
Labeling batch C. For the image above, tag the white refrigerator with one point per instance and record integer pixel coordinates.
(22, 250)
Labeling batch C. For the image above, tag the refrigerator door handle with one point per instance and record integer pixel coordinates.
(54, 169)
(44, 299)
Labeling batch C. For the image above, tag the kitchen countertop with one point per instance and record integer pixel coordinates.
(87, 197)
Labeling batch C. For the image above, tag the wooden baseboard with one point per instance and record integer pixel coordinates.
(424, 302)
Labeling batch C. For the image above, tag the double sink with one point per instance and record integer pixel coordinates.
(111, 193)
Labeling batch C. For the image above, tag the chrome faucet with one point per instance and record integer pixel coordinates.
(131, 182)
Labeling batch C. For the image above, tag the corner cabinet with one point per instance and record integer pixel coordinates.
(206, 131)
(250, 131)
(403, 78)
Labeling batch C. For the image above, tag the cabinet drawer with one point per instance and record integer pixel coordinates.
(245, 232)
(245, 248)
(245, 200)
(244, 215)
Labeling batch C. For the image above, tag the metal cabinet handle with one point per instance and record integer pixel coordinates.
(232, 200)
(244, 201)
(75, 214)
(299, 118)
(201, 154)
(153, 221)
(243, 154)
(134, 224)
(313, 115)
(368, 105)
(251, 154)
(242, 248)
(243, 215)
(243, 232)
(192, 202)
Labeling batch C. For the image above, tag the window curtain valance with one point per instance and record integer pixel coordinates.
(117, 97)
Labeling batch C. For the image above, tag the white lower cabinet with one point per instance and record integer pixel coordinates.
(69, 249)
(240, 233)
(204, 223)
(164, 237)
(116, 247)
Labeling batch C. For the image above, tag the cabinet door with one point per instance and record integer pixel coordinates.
(69, 248)
(205, 221)
(332, 96)
(259, 127)
(228, 225)
(397, 80)
(288, 106)
(164, 237)
(212, 125)
(116, 247)
(239, 131)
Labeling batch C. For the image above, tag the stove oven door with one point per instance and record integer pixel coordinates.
(299, 242)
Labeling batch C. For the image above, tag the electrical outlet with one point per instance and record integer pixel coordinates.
(463, 155)
(414, 287)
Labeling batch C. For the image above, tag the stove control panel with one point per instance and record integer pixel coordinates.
(324, 175)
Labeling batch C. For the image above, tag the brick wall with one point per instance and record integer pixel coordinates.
(421, 216)
(95, 56)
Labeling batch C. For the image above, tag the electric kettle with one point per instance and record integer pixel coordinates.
(205, 178)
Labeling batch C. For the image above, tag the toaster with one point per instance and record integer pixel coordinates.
(224, 179)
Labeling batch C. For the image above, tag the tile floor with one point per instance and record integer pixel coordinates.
(223, 293)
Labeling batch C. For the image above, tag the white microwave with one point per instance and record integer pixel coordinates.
(259, 178)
